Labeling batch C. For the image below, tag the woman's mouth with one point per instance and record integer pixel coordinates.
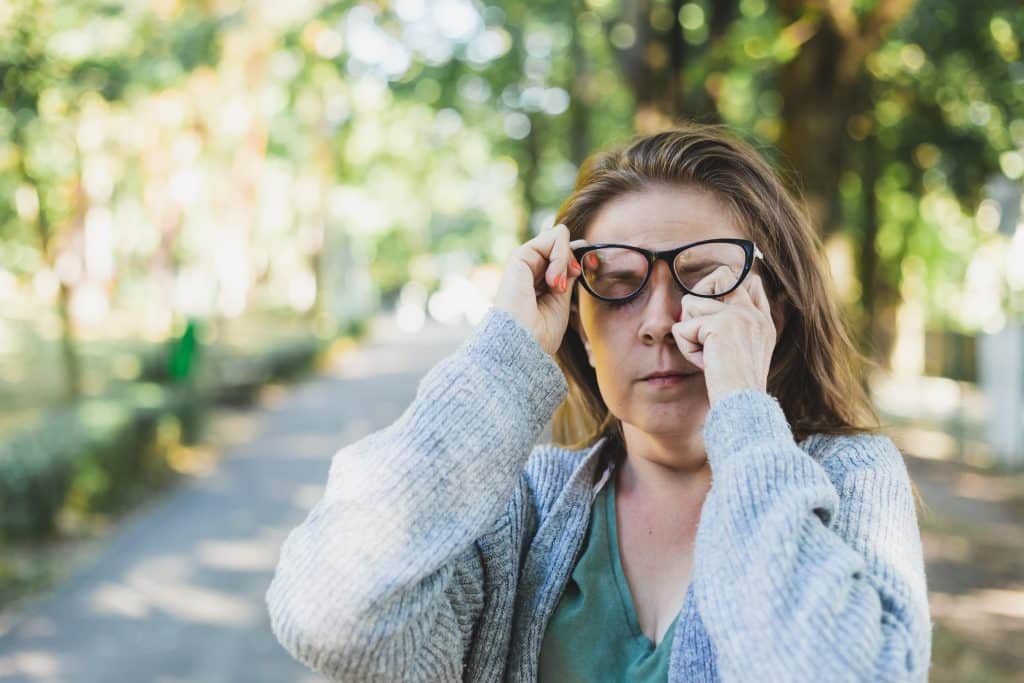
(668, 380)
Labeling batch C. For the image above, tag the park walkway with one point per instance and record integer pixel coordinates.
(176, 593)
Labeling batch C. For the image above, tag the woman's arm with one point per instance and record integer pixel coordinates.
(384, 578)
(808, 570)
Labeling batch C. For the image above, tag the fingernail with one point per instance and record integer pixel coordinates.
(562, 282)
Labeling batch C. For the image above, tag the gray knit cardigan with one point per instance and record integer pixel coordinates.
(442, 542)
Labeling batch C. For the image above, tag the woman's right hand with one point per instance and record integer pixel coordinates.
(536, 286)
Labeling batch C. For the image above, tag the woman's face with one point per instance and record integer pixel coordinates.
(628, 342)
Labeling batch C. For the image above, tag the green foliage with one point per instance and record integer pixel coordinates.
(392, 252)
(103, 455)
(35, 475)
(97, 456)
(552, 82)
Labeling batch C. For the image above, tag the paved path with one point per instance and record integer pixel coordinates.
(176, 593)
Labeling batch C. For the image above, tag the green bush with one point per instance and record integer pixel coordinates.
(102, 455)
(99, 455)
(36, 472)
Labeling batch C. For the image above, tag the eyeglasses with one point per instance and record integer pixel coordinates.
(618, 272)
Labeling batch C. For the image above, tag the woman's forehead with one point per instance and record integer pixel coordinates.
(662, 218)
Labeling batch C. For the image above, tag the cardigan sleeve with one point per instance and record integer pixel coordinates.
(384, 579)
(808, 570)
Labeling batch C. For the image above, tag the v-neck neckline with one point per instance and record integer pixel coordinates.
(625, 597)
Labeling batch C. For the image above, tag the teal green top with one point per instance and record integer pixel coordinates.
(593, 634)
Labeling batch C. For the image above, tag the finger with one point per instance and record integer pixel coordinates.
(589, 257)
(694, 306)
(685, 339)
(696, 330)
(534, 253)
(751, 293)
(718, 280)
(742, 293)
(561, 263)
(549, 257)
(758, 294)
(691, 350)
(562, 268)
(690, 337)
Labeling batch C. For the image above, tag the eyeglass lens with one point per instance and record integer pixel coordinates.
(616, 273)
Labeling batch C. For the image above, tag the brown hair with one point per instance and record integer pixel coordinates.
(815, 366)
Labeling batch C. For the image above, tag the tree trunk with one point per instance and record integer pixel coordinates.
(529, 177)
(654, 66)
(69, 346)
(579, 91)
(68, 340)
(815, 104)
(819, 88)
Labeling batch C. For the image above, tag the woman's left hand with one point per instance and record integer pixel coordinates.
(731, 340)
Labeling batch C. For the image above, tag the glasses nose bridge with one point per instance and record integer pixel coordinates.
(652, 263)
(672, 294)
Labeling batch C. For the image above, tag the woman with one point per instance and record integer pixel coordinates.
(734, 519)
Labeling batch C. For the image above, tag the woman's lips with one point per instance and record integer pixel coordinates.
(669, 380)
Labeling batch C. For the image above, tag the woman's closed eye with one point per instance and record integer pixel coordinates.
(621, 304)
(636, 298)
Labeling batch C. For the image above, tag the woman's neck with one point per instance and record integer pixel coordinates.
(660, 478)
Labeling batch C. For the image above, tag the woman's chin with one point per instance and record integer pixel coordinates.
(681, 415)
(686, 397)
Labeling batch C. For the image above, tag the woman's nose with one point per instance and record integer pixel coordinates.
(664, 303)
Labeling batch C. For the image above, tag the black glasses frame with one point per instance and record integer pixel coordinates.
(669, 256)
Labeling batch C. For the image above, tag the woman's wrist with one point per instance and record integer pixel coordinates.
(740, 417)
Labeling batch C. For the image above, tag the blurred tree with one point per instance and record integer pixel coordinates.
(870, 105)
(822, 86)
(44, 192)
(290, 128)
(53, 65)
(937, 111)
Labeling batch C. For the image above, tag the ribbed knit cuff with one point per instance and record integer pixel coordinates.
(741, 417)
(503, 346)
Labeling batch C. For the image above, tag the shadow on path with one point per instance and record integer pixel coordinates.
(177, 591)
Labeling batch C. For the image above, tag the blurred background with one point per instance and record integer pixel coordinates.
(202, 201)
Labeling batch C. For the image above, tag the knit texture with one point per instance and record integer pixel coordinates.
(442, 542)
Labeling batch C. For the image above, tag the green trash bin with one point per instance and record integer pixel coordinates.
(184, 350)
(182, 362)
